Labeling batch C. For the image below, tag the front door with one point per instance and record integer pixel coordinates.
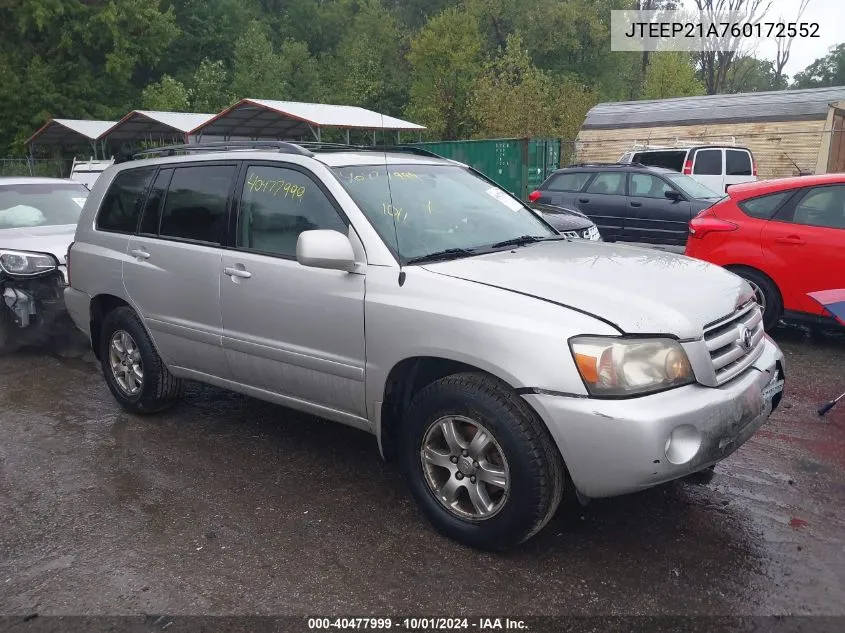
(805, 244)
(654, 218)
(291, 330)
(173, 265)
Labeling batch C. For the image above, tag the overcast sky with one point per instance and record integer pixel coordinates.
(805, 51)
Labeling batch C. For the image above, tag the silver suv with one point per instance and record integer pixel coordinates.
(504, 365)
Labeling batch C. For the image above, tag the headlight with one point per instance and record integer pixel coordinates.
(24, 263)
(615, 367)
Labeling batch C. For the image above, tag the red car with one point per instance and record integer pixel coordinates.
(786, 237)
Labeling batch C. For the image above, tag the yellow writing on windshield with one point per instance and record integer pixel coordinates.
(274, 187)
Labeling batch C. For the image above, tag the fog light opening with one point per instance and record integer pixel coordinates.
(683, 444)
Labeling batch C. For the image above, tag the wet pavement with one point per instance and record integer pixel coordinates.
(227, 505)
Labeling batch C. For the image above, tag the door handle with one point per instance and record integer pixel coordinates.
(583, 199)
(139, 253)
(636, 204)
(237, 272)
(790, 239)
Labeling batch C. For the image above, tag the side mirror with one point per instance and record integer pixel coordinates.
(674, 196)
(325, 249)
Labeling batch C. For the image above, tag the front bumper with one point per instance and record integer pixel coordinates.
(35, 306)
(614, 447)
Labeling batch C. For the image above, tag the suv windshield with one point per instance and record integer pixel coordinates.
(30, 205)
(420, 210)
(692, 187)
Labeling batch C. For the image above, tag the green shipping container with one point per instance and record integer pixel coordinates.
(518, 165)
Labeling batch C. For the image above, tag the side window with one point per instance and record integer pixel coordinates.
(764, 207)
(668, 159)
(195, 204)
(121, 206)
(277, 204)
(737, 162)
(822, 206)
(646, 186)
(708, 162)
(155, 202)
(568, 181)
(608, 182)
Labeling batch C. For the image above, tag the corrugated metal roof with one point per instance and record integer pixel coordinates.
(263, 118)
(66, 131)
(780, 105)
(141, 124)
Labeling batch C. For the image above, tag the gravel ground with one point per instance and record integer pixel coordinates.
(227, 505)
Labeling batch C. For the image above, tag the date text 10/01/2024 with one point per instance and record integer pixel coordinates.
(418, 624)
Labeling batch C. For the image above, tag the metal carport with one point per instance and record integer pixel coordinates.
(155, 126)
(65, 132)
(266, 119)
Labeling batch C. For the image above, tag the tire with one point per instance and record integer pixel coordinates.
(533, 469)
(704, 476)
(157, 389)
(766, 289)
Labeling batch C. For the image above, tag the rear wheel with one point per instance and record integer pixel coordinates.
(766, 293)
(479, 463)
(131, 366)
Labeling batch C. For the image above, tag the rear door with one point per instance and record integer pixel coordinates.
(738, 167)
(806, 242)
(654, 218)
(561, 188)
(603, 200)
(667, 158)
(708, 168)
(172, 270)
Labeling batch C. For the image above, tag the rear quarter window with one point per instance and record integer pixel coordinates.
(122, 204)
(764, 207)
(672, 159)
(567, 181)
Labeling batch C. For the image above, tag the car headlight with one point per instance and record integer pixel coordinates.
(25, 263)
(619, 367)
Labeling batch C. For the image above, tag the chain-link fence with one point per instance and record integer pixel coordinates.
(47, 167)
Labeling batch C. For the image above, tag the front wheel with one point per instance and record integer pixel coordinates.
(479, 463)
(133, 370)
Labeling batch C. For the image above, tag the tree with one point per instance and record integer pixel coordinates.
(825, 71)
(209, 91)
(167, 95)
(714, 64)
(671, 74)
(445, 59)
(749, 74)
(257, 68)
(784, 45)
(515, 98)
(370, 67)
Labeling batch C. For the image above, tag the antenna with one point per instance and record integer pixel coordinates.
(392, 210)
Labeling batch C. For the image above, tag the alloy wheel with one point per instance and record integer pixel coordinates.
(465, 468)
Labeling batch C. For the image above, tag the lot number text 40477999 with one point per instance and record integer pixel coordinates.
(418, 624)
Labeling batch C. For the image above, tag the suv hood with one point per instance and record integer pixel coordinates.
(639, 291)
(39, 239)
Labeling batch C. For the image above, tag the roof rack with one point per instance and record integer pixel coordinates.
(283, 147)
(607, 165)
(303, 148)
(340, 147)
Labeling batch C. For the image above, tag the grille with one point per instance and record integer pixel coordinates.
(724, 340)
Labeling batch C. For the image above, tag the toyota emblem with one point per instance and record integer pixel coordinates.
(745, 338)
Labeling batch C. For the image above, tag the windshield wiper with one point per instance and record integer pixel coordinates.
(449, 253)
(526, 239)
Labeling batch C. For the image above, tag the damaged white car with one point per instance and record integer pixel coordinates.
(38, 218)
